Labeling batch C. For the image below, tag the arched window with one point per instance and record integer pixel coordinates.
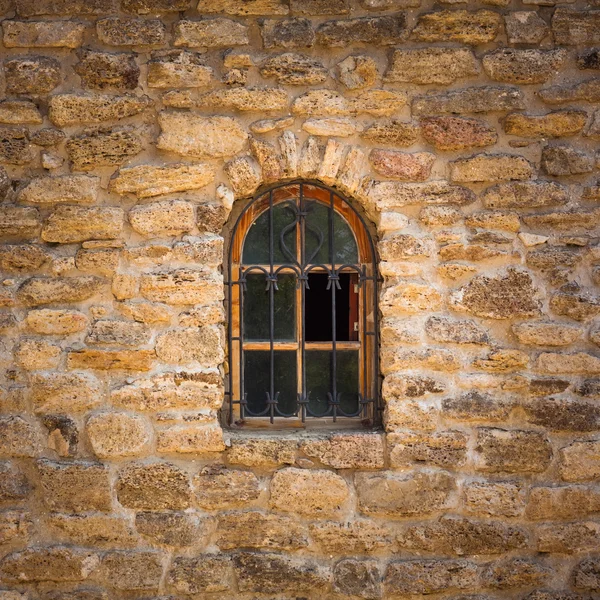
(302, 304)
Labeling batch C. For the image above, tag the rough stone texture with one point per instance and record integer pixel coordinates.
(126, 160)
(197, 136)
(431, 65)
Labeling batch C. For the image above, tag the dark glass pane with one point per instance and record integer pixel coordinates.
(256, 244)
(257, 379)
(318, 248)
(318, 315)
(256, 308)
(319, 379)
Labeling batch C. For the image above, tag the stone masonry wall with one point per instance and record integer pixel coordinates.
(466, 132)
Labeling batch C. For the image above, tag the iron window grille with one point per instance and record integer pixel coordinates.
(302, 311)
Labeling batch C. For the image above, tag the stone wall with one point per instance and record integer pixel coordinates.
(129, 130)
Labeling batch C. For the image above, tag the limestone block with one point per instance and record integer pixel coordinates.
(443, 449)
(182, 286)
(22, 259)
(262, 452)
(70, 224)
(467, 27)
(392, 132)
(210, 33)
(114, 434)
(218, 488)
(34, 8)
(384, 30)
(105, 70)
(525, 27)
(31, 74)
(103, 148)
(576, 26)
(204, 573)
(559, 123)
(35, 355)
(122, 31)
(360, 536)
(15, 148)
(16, 112)
(402, 165)
(135, 570)
(494, 498)
(249, 7)
(294, 69)
(178, 69)
(580, 461)
(191, 438)
(490, 167)
(18, 438)
(512, 65)
(556, 414)
(62, 392)
(52, 34)
(173, 528)
(544, 333)
(343, 451)
(92, 529)
(457, 133)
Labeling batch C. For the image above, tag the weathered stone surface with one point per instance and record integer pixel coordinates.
(77, 109)
(476, 406)
(586, 91)
(19, 222)
(476, 27)
(516, 451)
(544, 333)
(358, 72)
(530, 194)
(78, 189)
(458, 331)
(559, 123)
(254, 529)
(525, 27)
(578, 363)
(118, 434)
(511, 65)
(457, 133)
(31, 74)
(220, 488)
(159, 219)
(122, 31)
(15, 148)
(244, 175)
(315, 492)
(154, 486)
(579, 461)
(190, 134)
(390, 493)
(14, 486)
(382, 31)
(62, 392)
(51, 563)
(494, 499)
(570, 221)
(576, 303)
(516, 573)
(391, 195)
(320, 7)
(52, 34)
(507, 295)
(92, 529)
(136, 570)
(410, 298)
(172, 528)
(35, 355)
(342, 451)
(576, 26)
(204, 573)
(18, 437)
(469, 100)
(402, 165)
(104, 70)
(181, 346)
(403, 245)
(262, 452)
(356, 537)
(294, 69)
(563, 415)
(392, 132)
(144, 7)
(16, 112)
(33, 8)
(103, 148)
(182, 286)
(146, 181)
(439, 216)
(210, 33)
(463, 537)
(440, 66)
(565, 160)
(69, 224)
(63, 435)
(565, 502)
(442, 449)
(15, 526)
(586, 574)
(23, 258)
(275, 573)
(243, 99)
(287, 33)
(490, 167)
(74, 486)
(430, 576)
(360, 578)
(48, 290)
(178, 69)
(502, 361)
(192, 438)
(108, 360)
(249, 7)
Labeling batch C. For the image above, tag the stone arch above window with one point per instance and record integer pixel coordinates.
(302, 308)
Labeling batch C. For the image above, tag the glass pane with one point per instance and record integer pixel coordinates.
(318, 379)
(317, 237)
(257, 379)
(256, 244)
(256, 308)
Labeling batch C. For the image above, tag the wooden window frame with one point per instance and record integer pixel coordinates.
(367, 342)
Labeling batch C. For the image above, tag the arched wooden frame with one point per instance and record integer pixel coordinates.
(366, 342)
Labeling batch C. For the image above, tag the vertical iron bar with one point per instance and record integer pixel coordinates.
(230, 344)
(333, 306)
(302, 298)
(365, 338)
(271, 308)
(241, 342)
